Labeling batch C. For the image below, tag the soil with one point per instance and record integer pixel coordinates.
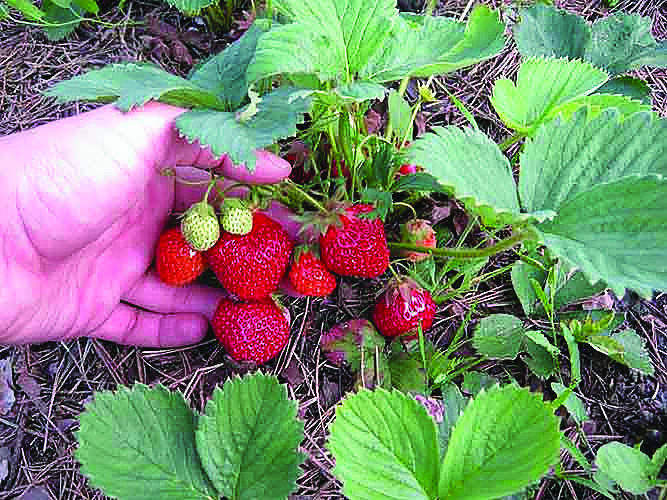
(53, 381)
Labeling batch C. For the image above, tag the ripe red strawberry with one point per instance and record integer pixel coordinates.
(252, 265)
(177, 263)
(418, 232)
(309, 276)
(356, 246)
(401, 308)
(251, 331)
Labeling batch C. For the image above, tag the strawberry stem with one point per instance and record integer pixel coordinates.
(402, 204)
(469, 253)
(306, 196)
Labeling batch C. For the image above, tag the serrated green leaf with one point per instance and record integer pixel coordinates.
(547, 31)
(542, 85)
(539, 360)
(332, 39)
(400, 115)
(506, 439)
(278, 114)
(625, 347)
(628, 467)
(190, 7)
(225, 73)
(248, 439)
(464, 160)
(615, 232)
(361, 91)
(401, 437)
(55, 14)
(567, 158)
(631, 87)
(620, 41)
(139, 443)
(407, 373)
(573, 403)
(421, 181)
(454, 404)
(599, 102)
(540, 339)
(134, 84)
(427, 45)
(29, 10)
(499, 336)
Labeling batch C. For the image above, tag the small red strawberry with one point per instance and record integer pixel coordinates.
(309, 276)
(355, 246)
(418, 232)
(177, 263)
(402, 307)
(251, 331)
(252, 265)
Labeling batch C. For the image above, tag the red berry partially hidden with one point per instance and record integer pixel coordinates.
(356, 247)
(309, 276)
(252, 265)
(418, 232)
(177, 263)
(251, 331)
(402, 307)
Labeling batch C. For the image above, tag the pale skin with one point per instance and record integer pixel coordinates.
(83, 201)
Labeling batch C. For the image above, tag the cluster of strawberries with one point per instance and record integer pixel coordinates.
(250, 254)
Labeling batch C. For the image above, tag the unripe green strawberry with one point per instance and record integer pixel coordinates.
(200, 226)
(236, 217)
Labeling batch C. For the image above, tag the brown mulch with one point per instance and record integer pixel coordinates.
(53, 381)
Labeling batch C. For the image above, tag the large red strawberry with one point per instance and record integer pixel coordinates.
(251, 331)
(176, 262)
(355, 246)
(309, 276)
(402, 307)
(252, 265)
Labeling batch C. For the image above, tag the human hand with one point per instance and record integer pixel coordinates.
(83, 204)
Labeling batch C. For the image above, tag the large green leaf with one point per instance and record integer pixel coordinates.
(238, 134)
(27, 8)
(599, 102)
(225, 74)
(385, 446)
(331, 38)
(249, 437)
(506, 439)
(567, 158)
(139, 444)
(471, 166)
(631, 87)
(626, 466)
(626, 347)
(190, 7)
(543, 84)
(424, 45)
(134, 84)
(64, 19)
(621, 42)
(615, 232)
(499, 336)
(546, 31)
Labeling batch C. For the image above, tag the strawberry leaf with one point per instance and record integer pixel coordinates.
(360, 91)
(330, 38)
(464, 160)
(499, 336)
(248, 439)
(134, 84)
(631, 87)
(139, 443)
(421, 46)
(542, 85)
(401, 437)
(546, 31)
(225, 73)
(506, 434)
(628, 467)
(239, 134)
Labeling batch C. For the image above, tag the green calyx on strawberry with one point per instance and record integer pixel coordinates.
(418, 232)
(308, 275)
(252, 265)
(345, 343)
(402, 308)
(236, 217)
(200, 226)
(251, 331)
(352, 241)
